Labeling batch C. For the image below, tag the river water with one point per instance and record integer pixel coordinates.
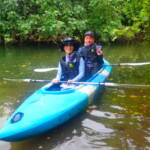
(119, 118)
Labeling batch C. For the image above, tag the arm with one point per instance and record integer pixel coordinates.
(79, 51)
(59, 72)
(58, 76)
(81, 70)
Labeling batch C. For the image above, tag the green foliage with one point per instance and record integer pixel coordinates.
(104, 17)
(135, 19)
(52, 20)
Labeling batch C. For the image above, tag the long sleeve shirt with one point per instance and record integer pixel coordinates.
(81, 70)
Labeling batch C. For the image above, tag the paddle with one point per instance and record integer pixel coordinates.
(108, 84)
(45, 69)
(120, 64)
(131, 64)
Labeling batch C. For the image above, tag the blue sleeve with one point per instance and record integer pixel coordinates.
(59, 72)
(81, 70)
(79, 51)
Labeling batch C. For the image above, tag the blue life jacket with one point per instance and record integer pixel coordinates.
(90, 56)
(71, 68)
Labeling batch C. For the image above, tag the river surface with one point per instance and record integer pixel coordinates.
(119, 118)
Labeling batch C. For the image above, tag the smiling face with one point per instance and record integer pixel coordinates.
(88, 40)
(68, 49)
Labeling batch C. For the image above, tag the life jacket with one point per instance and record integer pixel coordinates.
(71, 68)
(90, 56)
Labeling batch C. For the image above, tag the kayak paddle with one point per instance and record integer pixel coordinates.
(131, 64)
(108, 84)
(120, 64)
(45, 69)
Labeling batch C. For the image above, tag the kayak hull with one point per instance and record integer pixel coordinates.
(45, 110)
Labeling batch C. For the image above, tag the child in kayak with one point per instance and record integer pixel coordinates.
(92, 54)
(71, 66)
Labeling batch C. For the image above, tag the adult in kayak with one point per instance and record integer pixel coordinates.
(92, 54)
(71, 66)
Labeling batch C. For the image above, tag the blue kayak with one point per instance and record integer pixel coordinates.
(46, 109)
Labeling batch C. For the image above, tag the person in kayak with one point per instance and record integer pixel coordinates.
(92, 54)
(71, 66)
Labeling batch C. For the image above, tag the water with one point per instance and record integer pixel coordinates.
(118, 119)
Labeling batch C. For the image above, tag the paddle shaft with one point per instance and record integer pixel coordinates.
(108, 84)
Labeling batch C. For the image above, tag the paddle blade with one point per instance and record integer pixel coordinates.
(17, 80)
(45, 69)
(131, 64)
(26, 80)
(107, 84)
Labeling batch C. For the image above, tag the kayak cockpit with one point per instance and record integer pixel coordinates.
(51, 88)
(55, 89)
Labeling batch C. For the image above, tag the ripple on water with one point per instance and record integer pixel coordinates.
(117, 107)
(83, 142)
(5, 110)
(108, 115)
(96, 126)
(148, 139)
(2, 121)
(5, 145)
(91, 138)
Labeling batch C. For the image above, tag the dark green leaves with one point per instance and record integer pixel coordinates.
(52, 20)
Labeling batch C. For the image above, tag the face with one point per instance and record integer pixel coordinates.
(88, 40)
(68, 49)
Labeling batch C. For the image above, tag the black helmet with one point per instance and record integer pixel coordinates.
(70, 41)
(90, 33)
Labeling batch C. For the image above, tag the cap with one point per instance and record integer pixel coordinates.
(89, 33)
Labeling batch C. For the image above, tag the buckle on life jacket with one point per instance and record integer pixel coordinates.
(71, 65)
(92, 50)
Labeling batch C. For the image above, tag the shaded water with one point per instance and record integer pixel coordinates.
(119, 120)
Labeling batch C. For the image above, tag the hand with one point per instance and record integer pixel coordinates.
(55, 81)
(69, 81)
(99, 52)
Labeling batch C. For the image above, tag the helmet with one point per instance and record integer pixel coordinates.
(69, 41)
(90, 33)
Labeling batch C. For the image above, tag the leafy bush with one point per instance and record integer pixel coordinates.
(52, 20)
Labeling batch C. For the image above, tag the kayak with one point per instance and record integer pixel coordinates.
(46, 109)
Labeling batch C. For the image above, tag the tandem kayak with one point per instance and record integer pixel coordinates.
(46, 109)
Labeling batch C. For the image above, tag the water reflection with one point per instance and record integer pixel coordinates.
(5, 146)
(96, 126)
(54, 139)
(80, 133)
(108, 115)
(148, 139)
